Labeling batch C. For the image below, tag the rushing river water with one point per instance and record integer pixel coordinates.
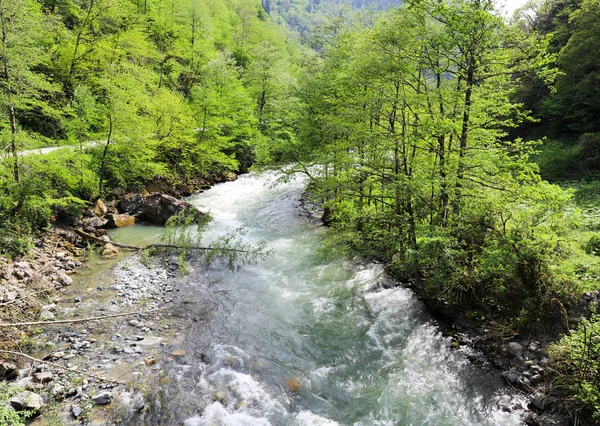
(296, 340)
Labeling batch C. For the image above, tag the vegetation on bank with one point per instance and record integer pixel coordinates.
(418, 128)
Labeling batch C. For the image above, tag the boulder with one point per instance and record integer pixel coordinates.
(102, 398)
(27, 401)
(110, 251)
(119, 220)
(94, 222)
(99, 208)
(131, 203)
(158, 208)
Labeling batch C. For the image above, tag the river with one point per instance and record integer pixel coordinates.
(298, 340)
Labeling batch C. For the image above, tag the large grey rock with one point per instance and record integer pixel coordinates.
(131, 203)
(159, 208)
(27, 401)
(102, 398)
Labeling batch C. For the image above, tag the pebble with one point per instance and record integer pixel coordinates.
(44, 377)
(76, 411)
(46, 316)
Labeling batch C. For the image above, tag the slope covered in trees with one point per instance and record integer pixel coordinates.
(168, 90)
(568, 110)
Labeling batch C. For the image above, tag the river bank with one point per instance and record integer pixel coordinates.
(60, 363)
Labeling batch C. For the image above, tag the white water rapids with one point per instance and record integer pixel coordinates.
(359, 352)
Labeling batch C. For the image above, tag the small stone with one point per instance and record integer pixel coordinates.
(538, 400)
(515, 349)
(65, 279)
(102, 398)
(105, 238)
(51, 307)
(58, 390)
(9, 296)
(46, 316)
(58, 355)
(178, 352)
(43, 377)
(150, 360)
(76, 411)
(78, 299)
(27, 401)
(511, 378)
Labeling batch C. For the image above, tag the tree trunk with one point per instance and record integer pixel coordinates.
(104, 154)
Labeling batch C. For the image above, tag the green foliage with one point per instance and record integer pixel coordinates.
(8, 416)
(576, 361)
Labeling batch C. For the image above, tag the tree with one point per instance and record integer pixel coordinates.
(24, 46)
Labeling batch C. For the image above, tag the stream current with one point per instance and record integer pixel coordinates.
(298, 340)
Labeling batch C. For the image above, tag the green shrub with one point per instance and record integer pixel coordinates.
(576, 361)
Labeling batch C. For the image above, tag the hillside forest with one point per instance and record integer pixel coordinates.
(440, 138)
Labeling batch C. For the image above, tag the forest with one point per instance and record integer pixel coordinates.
(441, 139)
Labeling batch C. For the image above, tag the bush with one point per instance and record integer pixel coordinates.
(576, 361)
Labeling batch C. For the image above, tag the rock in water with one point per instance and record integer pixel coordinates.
(102, 398)
(27, 401)
(119, 220)
(110, 251)
(158, 208)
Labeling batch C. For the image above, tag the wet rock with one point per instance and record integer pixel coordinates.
(104, 238)
(119, 221)
(27, 401)
(43, 377)
(110, 251)
(538, 400)
(293, 385)
(102, 398)
(511, 378)
(219, 397)
(158, 208)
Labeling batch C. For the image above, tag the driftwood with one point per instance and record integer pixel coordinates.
(62, 367)
(150, 246)
(76, 320)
